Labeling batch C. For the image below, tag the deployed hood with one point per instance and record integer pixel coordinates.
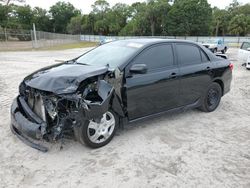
(62, 78)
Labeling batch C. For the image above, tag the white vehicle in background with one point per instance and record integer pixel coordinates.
(244, 54)
(216, 45)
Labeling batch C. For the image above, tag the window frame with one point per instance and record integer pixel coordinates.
(191, 64)
(243, 45)
(160, 69)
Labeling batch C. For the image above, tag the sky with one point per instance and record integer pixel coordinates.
(85, 5)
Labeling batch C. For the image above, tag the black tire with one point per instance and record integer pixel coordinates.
(81, 133)
(224, 51)
(215, 50)
(212, 98)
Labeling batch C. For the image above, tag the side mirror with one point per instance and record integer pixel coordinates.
(138, 69)
(222, 56)
(248, 49)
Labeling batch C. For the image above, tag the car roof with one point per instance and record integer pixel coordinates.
(145, 42)
(150, 41)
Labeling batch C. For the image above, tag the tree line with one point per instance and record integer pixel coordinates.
(152, 17)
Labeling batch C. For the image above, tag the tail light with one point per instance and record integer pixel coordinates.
(231, 66)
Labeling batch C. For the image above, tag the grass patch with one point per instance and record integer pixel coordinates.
(17, 47)
(70, 46)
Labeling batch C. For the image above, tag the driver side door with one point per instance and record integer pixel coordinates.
(157, 89)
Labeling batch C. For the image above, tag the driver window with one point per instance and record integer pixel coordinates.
(156, 57)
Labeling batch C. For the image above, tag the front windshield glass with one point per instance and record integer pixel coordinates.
(112, 54)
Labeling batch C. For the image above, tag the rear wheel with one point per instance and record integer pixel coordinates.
(212, 98)
(96, 134)
(215, 50)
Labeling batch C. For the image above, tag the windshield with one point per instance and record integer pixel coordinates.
(112, 54)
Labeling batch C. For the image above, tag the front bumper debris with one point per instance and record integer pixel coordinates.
(71, 110)
(26, 125)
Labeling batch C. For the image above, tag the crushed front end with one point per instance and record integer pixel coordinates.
(37, 114)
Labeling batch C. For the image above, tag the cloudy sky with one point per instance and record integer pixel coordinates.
(85, 5)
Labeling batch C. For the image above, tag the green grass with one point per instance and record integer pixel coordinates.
(57, 47)
(70, 46)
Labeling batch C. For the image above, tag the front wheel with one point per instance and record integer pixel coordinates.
(96, 134)
(212, 98)
(224, 50)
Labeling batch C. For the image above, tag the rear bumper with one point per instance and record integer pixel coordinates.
(26, 125)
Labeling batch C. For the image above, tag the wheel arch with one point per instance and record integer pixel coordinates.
(220, 82)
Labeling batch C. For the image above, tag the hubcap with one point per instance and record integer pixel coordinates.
(212, 98)
(101, 131)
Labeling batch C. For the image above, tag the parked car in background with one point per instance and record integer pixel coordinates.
(114, 84)
(244, 54)
(105, 40)
(216, 45)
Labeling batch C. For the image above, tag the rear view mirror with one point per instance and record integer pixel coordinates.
(138, 69)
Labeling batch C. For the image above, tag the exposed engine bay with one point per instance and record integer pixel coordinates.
(60, 113)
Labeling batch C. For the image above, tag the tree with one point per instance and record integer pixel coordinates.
(4, 11)
(189, 17)
(138, 24)
(99, 13)
(61, 14)
(42, 19)
(117, 18)
(156, 13)
(75, 25)
(7, 2)
(220, 22)
(239, 25)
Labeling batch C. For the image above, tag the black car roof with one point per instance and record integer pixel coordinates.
(149, 41)
(145, 42)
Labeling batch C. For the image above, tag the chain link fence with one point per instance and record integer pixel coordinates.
(25, 40)
(230, 41)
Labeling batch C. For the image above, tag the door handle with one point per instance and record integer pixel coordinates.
(173, 75)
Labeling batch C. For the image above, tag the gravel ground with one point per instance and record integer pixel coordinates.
(189, 149)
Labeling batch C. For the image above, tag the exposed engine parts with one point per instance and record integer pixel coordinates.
(62, 112)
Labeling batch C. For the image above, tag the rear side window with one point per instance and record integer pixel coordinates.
(156, 57)
(245, 45)
(188, 54)
(204, 56)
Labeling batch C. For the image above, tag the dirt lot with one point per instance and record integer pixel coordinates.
(189, 149)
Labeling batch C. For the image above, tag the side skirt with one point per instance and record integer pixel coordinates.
(179, 109)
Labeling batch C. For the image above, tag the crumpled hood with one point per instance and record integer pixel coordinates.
(62, 78)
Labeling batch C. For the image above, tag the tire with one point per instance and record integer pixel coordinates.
(88, 131)
(215, 50)
(224, 51)
(212, 98)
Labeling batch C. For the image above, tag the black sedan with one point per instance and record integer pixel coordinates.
(115, 84)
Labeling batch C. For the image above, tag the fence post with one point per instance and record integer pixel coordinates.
(34, 30)
(5, 34)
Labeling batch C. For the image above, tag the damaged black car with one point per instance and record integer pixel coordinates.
(115, 84)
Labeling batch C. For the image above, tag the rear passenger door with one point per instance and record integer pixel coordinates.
(158, 89)
(196, 72)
